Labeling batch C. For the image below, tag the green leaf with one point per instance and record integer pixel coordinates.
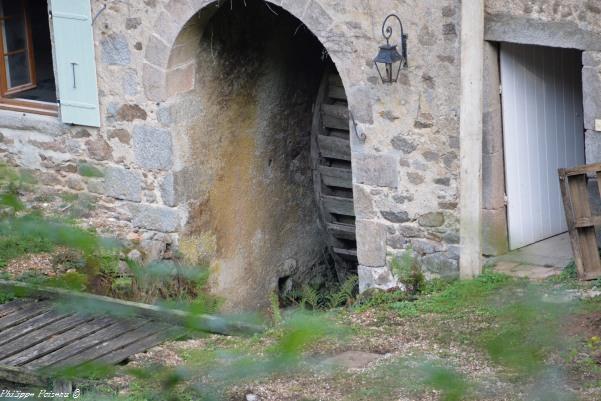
(12, 201)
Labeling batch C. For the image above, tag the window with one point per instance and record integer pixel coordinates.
(35, 66)
(26, 73)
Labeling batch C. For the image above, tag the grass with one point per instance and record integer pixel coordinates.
(504, 324)
(457, 298)
(14, 246)
(509, 331)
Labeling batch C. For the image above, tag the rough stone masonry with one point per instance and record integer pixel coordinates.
(168, 154)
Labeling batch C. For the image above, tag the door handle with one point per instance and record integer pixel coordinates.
(73, 71)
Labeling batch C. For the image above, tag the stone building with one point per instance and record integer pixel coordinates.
(204, 119)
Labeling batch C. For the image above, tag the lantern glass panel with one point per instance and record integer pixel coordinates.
(386, 63)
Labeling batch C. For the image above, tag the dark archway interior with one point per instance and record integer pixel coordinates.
(253, 34)
(258, 72)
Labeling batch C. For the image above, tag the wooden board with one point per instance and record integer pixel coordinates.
(336, 177)
(334, 80)
(584, 169)
(346, 253)
(14, 332)
(337, 92)
(119, 355)
(76, 301)
(336, 205)
(53, 339)
(334, 148)
(22, 376)
(80, 345)
(39, 335)
(107, 346)
(23, 313)
(57, 342)
(335, 116)
(11, 307)
(344, 231)
(580, 220)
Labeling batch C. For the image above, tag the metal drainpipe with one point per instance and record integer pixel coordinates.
(470, 135)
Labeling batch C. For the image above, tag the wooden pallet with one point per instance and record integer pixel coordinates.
(580, 219)
(53, 329)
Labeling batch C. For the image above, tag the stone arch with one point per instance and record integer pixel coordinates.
(162, 65)
(226, 152)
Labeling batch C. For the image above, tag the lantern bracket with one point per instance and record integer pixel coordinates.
(387, 32)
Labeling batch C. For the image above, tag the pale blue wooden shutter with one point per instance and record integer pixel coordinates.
(75, 62)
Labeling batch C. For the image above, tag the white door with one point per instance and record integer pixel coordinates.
(543, 131)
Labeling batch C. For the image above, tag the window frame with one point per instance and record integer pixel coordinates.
(17, 104)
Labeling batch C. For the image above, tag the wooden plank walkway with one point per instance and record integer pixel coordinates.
(39, 334)
(36, 338)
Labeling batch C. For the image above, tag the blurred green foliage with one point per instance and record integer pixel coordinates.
(451, 384)
(523, 334)
(528, 332)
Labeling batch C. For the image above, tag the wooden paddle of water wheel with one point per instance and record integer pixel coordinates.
(332, 175)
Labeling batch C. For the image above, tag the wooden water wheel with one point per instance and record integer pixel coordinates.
(332, 175)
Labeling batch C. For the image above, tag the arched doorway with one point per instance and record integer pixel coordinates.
(262, 149)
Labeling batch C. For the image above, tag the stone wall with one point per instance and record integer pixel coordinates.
(494, 214)
(568, 24)
(591, 74)
(405, 172)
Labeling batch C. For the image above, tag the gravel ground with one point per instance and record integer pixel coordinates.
(395, 350)
(380, 359)
(39, 263)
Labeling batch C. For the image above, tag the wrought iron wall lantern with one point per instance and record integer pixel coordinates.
(389, 57)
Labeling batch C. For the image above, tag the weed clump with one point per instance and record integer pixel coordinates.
(311, 298)
(408, 272)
